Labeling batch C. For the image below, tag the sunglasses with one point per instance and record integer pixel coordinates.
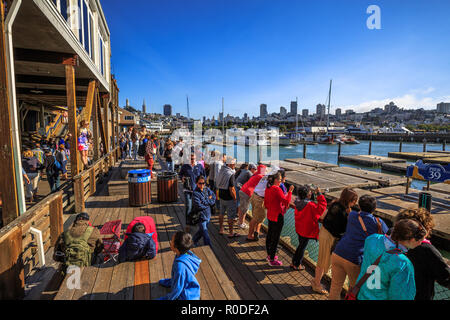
(201, 183)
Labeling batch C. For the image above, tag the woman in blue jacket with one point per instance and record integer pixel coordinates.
(393, 278)
(202, 201)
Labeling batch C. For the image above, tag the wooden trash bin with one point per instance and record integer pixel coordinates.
(167, 186)
(139, 187)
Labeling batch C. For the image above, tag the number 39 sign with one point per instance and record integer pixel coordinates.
(429, 172)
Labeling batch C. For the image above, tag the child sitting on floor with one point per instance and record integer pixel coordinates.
(138, 245)
(183, 283)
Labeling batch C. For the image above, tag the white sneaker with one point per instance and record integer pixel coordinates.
(243, 226)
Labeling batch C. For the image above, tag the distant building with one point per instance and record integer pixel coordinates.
(443, 107)
(294, 108)
(220, 117)
(178, 115)
(321, 109)
(263, 110)
(126, 119)
(283, 111)
(305, 112)
(338, 112)
(245, 117)
(144, 107)
(391, 108)
(168, 110)
(204, 119)
(349, 111)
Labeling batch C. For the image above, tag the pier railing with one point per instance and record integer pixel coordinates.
(24, 242)
(84, 184)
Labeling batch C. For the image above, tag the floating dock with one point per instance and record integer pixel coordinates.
(288, 166)
(312, 163)
(414, 155)
(399, 167)
(369, 160)
(383, 179)
(441, 160)
(441, 187)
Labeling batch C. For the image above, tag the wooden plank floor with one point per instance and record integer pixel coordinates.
(230, 269)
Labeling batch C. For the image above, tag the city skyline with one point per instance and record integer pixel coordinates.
(274, 52)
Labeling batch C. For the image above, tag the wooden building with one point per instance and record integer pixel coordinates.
(55, 60)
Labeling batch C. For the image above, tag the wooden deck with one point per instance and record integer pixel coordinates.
(369, 160)
(312, 163)
(232, 269)
(383, 179)
(441, 187)
(415, 155)
(395, 167)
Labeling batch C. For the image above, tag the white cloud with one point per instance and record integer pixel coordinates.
(407, 101)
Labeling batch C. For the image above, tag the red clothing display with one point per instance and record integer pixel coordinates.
(276, 202)
(150, 227)
(307, 219)
(249, 187)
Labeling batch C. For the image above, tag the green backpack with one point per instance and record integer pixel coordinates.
(78, 252)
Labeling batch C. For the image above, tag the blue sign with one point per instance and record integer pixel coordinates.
(429, 172)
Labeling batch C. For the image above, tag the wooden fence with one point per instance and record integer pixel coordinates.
(18, 246)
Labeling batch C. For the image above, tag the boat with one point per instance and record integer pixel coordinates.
(326, 139)
(284, 140)
(351, 140)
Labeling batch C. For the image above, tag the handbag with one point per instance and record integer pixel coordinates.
(379, 228)
(352, 294)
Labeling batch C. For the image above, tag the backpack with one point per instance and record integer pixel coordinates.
(78, 251)
(141, 149)
(137, 246)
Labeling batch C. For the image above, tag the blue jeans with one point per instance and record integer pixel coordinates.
(237, 196)
(170, 166)
(135, 150)
(202, 233)
(130, 148)
(54, 182)
(188, 202)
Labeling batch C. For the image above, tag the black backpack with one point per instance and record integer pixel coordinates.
(137, 246)
(141, 150)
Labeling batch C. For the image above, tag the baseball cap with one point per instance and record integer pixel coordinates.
(82, 216)
(252, 166)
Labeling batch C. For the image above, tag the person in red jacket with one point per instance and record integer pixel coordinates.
(276, 203)
(150, 227)
(307, 215)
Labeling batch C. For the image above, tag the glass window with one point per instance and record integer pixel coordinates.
(64, 9)
(80, 20)
(91, 23)
(86, 27)
(102, 57)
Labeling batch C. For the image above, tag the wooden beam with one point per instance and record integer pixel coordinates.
(87, 110)
(47, 92)
(51, 57)
(105, 99)
(73, 125)
(100, 122)
(8, 186)
(56, 220)
(46, 80)
(12, 280)
(96, 142)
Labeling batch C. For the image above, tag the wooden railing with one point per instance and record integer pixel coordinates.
(18, 246)
(84, 184)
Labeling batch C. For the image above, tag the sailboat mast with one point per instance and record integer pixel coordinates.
(296, 119)
(187, 104)
(329, 102)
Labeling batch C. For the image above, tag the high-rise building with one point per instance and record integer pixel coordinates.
(443, 107)
(167, 110)
(204, 119)
(321, 110)
(220, 116)
(294, 107)
(305, 112)
(283, 111)
(338, 112)
(245, 117)
(144, 107)
(263, 110)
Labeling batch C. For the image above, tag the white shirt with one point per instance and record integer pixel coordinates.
(260, 188)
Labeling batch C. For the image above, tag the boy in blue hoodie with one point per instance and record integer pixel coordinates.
(183, 283)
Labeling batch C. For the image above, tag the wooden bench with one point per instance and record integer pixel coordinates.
(139, 280)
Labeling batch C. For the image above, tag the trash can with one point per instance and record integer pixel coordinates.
(139, 187)
(425, 200)
(167, 186)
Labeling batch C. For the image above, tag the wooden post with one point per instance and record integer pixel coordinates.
(407, 185)
(8, 182)
(424, 145)
(73, 125)
(400, 145)
(12, 280)
(56, 219)
(443, 145)
(79, 195)
(304, 150)
(339, 150)
(92, 186)
(96, 142)
(370, 147)
(105, 105)
(428, 185)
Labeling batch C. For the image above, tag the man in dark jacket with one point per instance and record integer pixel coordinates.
(82, 231)
(138, 245)
(202, 201)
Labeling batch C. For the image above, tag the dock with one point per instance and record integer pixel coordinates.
(288, 166)
(383, 179)
(399, 167)
(414, 155)
(441, 187)
(369, 160)
(312, 163)
(297, 178)
(440, 160)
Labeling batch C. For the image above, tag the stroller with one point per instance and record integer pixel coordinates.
(111, 240)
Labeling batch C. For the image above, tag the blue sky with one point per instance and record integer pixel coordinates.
(272, 51)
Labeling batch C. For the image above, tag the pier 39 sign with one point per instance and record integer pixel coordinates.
(429, 172)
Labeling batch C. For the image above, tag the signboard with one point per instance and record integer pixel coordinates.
(429, 172)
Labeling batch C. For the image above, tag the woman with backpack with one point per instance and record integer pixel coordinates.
(386, 262)
(347, 257)
(429, 265)
(202, 201)
(334, 223)
(61, 156)
(52, 170)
